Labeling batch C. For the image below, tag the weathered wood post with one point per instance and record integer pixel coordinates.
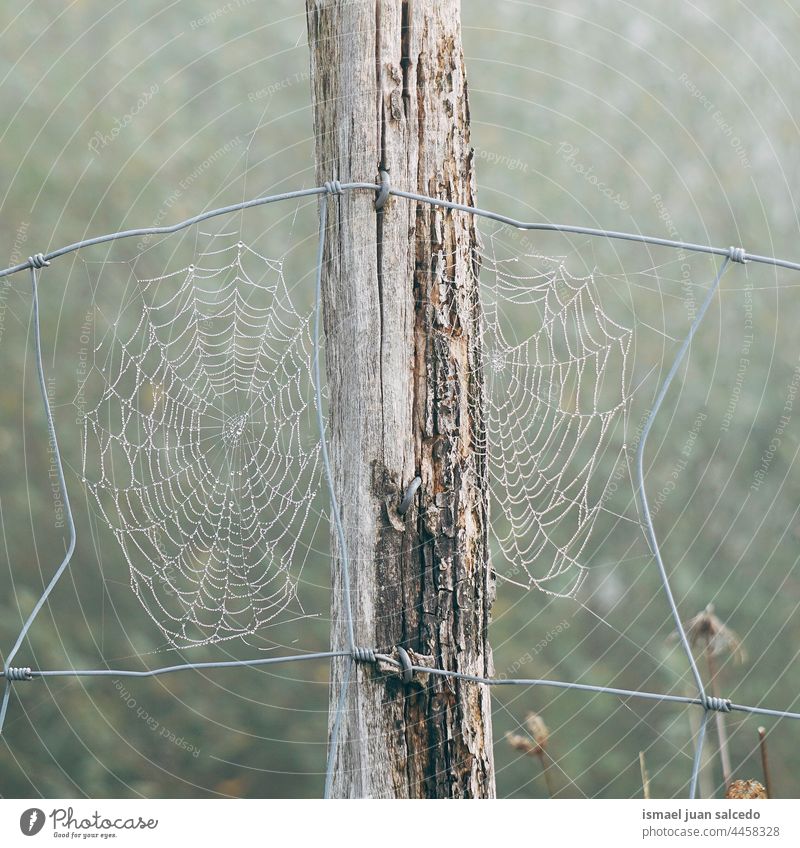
(401, 311)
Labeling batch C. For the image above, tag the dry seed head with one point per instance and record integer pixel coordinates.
(707, 631)
(521, 743)
(538, 730)
(744, 789)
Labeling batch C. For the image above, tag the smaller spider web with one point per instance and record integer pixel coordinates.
(201, 453)
(556, 376)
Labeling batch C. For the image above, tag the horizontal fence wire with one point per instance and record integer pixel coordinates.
(355, 654)
(31, 674)
(198, 666)
(335, 188)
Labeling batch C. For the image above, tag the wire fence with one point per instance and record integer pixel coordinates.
(355, 653)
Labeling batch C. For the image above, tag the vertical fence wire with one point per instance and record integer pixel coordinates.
(650, 529)
(51, 430)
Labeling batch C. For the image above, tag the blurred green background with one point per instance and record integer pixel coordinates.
(669, 120)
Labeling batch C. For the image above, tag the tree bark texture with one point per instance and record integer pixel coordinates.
(402, 351)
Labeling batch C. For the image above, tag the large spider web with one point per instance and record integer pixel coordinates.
(203, 460)
(556, 382)
(199, 453)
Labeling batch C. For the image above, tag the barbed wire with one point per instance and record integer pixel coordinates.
(354, 653)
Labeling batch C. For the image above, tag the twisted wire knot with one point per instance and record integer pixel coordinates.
(18, 674)
(737, 254)
(333, 187)
(363, 655)
(722, 705)
(38, 261)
